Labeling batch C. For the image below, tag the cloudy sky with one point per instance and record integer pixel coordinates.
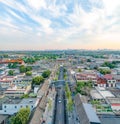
(59, 24)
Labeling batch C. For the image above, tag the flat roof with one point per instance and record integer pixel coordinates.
(28, 101)
(92, 116)
(114, 100)
(109, 119)
(2, 118)
(95, 94)
(106, 93)
(19, 101)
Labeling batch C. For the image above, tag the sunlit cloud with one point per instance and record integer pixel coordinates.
(59, 24)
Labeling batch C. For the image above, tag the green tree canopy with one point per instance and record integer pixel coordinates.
(37, 80)
(46, 73)
(104, 71)
(109, 64)
(21, 117)
(11, 72)
(24, 69)
(28, 73)
(13, 65)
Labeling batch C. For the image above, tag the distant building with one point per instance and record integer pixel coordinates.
(111, 82)
(101, 82)
(86, 77)
(107, 80)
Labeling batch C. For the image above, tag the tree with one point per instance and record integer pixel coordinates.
(11, 72)
(46, 73)
(12, 65)
(109, 64)
(28, 73)
(83, 87)
(37, 80)
(88, 60)
(5, 55)
(28, 68)
(104, 71)
(21, 117)
(22, 69)
(79, 70)
(69, 98)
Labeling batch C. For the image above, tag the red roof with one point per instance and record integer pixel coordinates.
(108, 77)
(115, 104)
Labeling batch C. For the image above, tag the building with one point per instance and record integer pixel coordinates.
(111, 82)
(101, 82)
(17, 91)
(114, 103)
(104, 93)
(85, 112)
(6, 81)
(3, 119)
(86, 77)
(95, 95)
(12, 106)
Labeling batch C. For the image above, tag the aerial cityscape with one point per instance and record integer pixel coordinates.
(59, 62)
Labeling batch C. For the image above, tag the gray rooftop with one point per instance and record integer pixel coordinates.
(6, 100)
(109, 119)
(28, 101)
(2, 118)
(92, 116)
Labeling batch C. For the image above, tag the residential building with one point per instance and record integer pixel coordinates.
(12, 106)
(85, 112)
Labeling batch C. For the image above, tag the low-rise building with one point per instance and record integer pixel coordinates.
(111, 82)
(114, 103)
(17, 91)
(12, 106)
(86, 77)
(85, 112)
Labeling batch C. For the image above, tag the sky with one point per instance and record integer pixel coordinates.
(59, 24)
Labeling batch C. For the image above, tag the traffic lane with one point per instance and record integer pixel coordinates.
(61, 76)
(60, 108)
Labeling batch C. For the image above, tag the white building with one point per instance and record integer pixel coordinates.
(12, 106)
(114, 103)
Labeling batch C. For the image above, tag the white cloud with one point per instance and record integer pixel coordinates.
(37, 4)
(99, 24)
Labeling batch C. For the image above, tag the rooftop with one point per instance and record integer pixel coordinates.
(6, 100)
(91, 113)
(95, 94)
(106, 93)
(2, 118)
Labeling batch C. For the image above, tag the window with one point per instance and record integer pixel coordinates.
(32, 106)
(15, 106)
(21, 106)
(5, 106)
(4, 110)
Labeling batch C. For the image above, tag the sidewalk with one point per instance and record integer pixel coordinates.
(48, 114)
(72, 118)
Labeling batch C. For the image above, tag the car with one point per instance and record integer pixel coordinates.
(59, 101)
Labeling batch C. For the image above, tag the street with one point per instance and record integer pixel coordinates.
(60, 105)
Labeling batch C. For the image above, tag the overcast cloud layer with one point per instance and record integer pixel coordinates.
(59, 24)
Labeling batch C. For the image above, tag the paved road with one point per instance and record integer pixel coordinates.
(61, 74)
(60, 110)
(60, 116)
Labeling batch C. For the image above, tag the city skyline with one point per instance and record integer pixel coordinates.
(52, 24)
